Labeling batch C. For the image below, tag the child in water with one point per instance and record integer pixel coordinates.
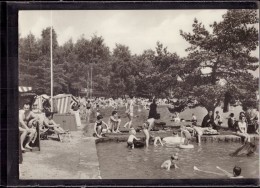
(236, 172)
(186, 134)
(132, 138)
(170, 162)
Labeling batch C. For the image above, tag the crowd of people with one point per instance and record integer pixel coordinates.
(29, 120)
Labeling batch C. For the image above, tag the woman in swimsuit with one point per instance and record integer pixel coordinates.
(242, 127)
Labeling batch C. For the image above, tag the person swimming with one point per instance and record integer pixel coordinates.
(170, 162)
(236, 172)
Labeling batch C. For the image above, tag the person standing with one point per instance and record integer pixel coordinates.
(217, 121)
(88, 110)
(130, 111)
(153, 110)
(152, 114)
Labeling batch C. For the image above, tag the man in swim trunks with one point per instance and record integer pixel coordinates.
(26, 118)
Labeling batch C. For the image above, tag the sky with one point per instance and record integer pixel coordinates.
(138, 29)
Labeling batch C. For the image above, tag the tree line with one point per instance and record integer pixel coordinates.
(225, 51)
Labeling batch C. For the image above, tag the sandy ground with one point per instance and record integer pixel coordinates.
(76, 159)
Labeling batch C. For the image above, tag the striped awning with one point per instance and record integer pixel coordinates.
(24, 89)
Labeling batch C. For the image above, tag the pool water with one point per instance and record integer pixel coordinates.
(118, 162)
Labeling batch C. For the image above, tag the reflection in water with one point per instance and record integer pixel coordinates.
(144, 163)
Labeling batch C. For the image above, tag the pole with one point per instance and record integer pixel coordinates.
(51, 68)
(88, 85)
(91, 82)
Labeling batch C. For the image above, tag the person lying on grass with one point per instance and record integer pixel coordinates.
(98, 128)
(170, 162)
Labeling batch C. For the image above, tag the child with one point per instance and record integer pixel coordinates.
(170, 162)
(114, 122)
(236, 172)
(186, 134)
(132, 138)
(146, 133)
(98, 129)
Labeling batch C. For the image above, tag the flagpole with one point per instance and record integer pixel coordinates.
(91, 81)
(51, 68)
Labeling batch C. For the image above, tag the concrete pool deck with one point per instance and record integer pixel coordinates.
(78, 158)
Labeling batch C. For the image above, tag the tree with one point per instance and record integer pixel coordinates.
(225, 53)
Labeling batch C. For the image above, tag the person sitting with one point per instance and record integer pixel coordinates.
(208, 120)
(26, 116)
(51, 126)
(193, 118)
(232, 122)
(114, 122)
(98, 129)
(242, 128)
(170, 162)
(236, 172)
(217, 121)
(131, 141)
(252, 120)
(186, 134)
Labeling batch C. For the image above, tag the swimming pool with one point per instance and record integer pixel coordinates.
(118, 162)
